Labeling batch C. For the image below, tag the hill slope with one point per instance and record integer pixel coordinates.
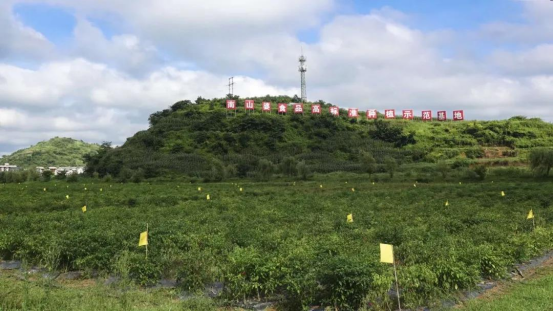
(197, 138)
(54, 152)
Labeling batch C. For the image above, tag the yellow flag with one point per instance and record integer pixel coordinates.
(350, 218)
(143, 241)
(447, 203)
(240, 189)
(414, 185)
(208, 198)
(373, 183)
(45, 189)
(100, 190)
(346, 182)
(386, 253)
(85, 188)
(321, 186)
(460, 183)
(502, 193)
(66, 196)
(84, 209)
(199, 189)
(353, 189)
(530, 215)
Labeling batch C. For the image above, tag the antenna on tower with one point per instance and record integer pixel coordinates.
(302, 69)
(231, 86)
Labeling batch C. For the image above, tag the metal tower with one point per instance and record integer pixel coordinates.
(302, 69)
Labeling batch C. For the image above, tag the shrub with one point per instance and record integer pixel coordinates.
(481, 171)
(73, 178)
(345, 282)
(442, 168)
(95, 175)
(125, 174)
(289, 166)
(303, 170)
(461, 163)
(61, 175)
(46, 175)
(368, 163)
(541, 161)
(108, 178)
(391, 166)
(264, 170)
(138, 176)
(474, 153)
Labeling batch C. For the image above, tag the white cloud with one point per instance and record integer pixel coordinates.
(91, 101)
(126, 52)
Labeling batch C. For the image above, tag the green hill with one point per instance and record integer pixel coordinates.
(198, 139)
(54, 152)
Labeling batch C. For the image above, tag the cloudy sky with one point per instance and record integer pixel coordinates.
(95, 69)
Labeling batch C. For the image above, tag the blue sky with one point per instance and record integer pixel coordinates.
(65, 63)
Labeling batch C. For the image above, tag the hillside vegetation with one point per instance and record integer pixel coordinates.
(54, 152)
(202, 139)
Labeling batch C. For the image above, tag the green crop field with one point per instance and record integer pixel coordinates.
(287, 242)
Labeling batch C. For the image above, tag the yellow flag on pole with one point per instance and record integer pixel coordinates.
(414, 185)
(143, 241)
(100, 190)
(353, 189)
(199, 189)
(208, 198)
(45, 189)
(321, 186)
(350, 218)
(502, 193)
(66, 196)
(530, 215)
(386, 253)
(447, 203)
(84, 209)
(240, 189)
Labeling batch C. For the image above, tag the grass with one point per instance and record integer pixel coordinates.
(283, 240)
(532, 294)
(35, 293)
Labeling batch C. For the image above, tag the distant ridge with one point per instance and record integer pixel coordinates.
(54, 152)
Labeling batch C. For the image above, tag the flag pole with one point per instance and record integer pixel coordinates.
(397, 286)
(147, 234)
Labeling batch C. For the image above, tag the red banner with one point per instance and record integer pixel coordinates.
(372, 114)
(298, 108)
(458, 115)
(390, 113)
(334, 110)
(407, 114)
(266, 106)
(282, 108)
(249, 105)
(426, 115)
(231, 104)
(442, 115)
(353, 113)
(316, 109)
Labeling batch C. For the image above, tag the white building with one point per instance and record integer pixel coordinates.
(57, 170)
(8, 167)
